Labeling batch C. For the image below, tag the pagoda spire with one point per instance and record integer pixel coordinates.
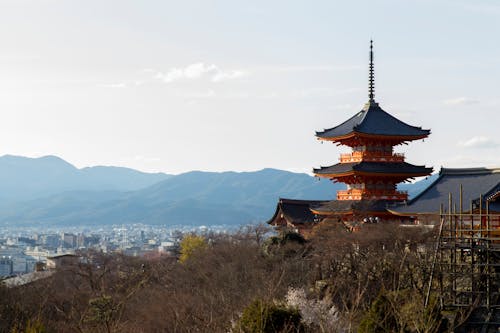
(371, 80)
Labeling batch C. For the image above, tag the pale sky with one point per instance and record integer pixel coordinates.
(174, 86)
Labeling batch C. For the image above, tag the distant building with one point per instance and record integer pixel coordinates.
(26, 241)
(50, 241)
(6, 266)
(69, 241)
(37, 253)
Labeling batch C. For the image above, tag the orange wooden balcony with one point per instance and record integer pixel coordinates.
(358, 194)
(359, 156)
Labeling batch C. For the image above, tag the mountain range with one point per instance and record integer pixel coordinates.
(51, 191)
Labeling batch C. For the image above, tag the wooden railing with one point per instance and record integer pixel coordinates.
(358, 156)
(357, 194)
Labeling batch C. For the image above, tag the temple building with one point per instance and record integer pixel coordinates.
(372, 171)
(472, 189)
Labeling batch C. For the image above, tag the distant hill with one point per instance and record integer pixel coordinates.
(23, 178)
(191, 198)
(50, 191)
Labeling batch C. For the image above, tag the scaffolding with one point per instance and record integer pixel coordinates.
(466, 268)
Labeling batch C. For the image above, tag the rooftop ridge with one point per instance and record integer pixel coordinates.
(468, 171)
(300, 201)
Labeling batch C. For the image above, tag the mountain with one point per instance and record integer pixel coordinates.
(50, 191)
(23, 178)
(191, 198)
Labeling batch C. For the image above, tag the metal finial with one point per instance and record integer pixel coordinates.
(371, 81)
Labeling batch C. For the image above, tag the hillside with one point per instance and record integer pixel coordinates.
(23, 178)
(191, 198)
(50, 191)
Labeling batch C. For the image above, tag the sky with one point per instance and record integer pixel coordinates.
(174, 86)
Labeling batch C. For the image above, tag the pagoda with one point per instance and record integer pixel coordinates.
(372, 170)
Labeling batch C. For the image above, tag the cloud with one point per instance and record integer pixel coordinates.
(199, 71)
(461, 101)
(224, 76)
(478, 142)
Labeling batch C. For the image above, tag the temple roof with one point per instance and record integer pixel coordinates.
(392, 168)
(475, 182)
(348, 206)
(375, 121)
(490, 198)
(295, 211)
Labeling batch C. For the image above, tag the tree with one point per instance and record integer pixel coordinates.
(191, 245)
(270, 317)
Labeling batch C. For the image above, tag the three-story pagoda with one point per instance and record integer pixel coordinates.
(371, 171)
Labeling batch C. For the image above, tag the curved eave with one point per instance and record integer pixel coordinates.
(349, 212)
(410, 213)
(329, 213)
(277, 212)
(370, 174)
(354, 134)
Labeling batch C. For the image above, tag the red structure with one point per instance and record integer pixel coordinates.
(371, 171)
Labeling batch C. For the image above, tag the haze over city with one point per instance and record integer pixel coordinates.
(222, 85)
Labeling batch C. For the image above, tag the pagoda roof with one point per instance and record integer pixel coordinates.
(389, 168)
(295, 211)
(372, 120)
(475, 182)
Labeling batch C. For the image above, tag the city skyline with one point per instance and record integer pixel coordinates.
(216, 86)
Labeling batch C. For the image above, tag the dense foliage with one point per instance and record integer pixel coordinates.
(269, 317)
(336, 281)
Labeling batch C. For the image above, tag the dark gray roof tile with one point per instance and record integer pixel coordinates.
(373, 120)
(474, 181)
(296, 211)
(375, 167)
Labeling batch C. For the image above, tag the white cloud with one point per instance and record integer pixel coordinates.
(478, 142)
(460, 101)
(224, 76)
(199, 71)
